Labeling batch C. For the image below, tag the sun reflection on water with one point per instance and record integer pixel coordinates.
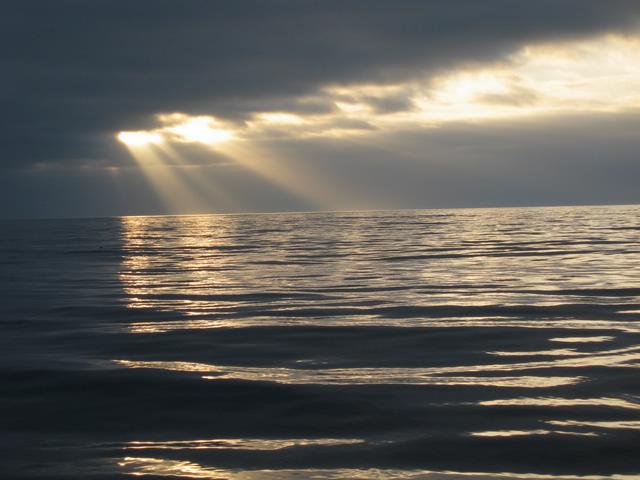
(432, 303)
(522, 433)
(140, 466)
(358, 376)
(239, 444)
(593, 339)
(564, 402)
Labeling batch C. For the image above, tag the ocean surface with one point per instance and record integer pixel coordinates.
(433, 344)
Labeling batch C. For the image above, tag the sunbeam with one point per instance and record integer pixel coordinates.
(154, 163)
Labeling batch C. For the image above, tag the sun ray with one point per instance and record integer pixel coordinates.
(293, 175)
(199, 178)
(176, 197)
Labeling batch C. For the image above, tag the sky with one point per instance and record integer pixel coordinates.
(114, 107)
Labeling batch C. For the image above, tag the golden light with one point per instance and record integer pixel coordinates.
(466, 86)
(353, 108)
(279, 118)
(183, 187)
(140, 138)
(600, 74)
(200, 130)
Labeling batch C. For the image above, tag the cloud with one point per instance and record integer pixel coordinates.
(558, 78)
(255, 105)
(515, 96)
(76, 72)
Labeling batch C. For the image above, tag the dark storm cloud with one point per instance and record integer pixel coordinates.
(75, 71)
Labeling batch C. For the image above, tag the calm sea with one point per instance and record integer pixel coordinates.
(434, 344)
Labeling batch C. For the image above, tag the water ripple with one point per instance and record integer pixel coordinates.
(406, 344)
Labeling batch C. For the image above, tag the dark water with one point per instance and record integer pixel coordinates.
(416, 345)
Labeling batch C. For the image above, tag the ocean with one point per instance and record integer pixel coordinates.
(414, 344)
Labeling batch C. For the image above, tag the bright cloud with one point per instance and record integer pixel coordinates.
(599, 75)
(181, 128)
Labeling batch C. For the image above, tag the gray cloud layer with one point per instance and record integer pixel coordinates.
(76, 71)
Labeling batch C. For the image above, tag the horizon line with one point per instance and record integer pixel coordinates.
(312, 212)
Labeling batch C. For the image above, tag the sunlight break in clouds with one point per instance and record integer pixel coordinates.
(180, 184)
(139, 138)
(598, 75)
(181, 128)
